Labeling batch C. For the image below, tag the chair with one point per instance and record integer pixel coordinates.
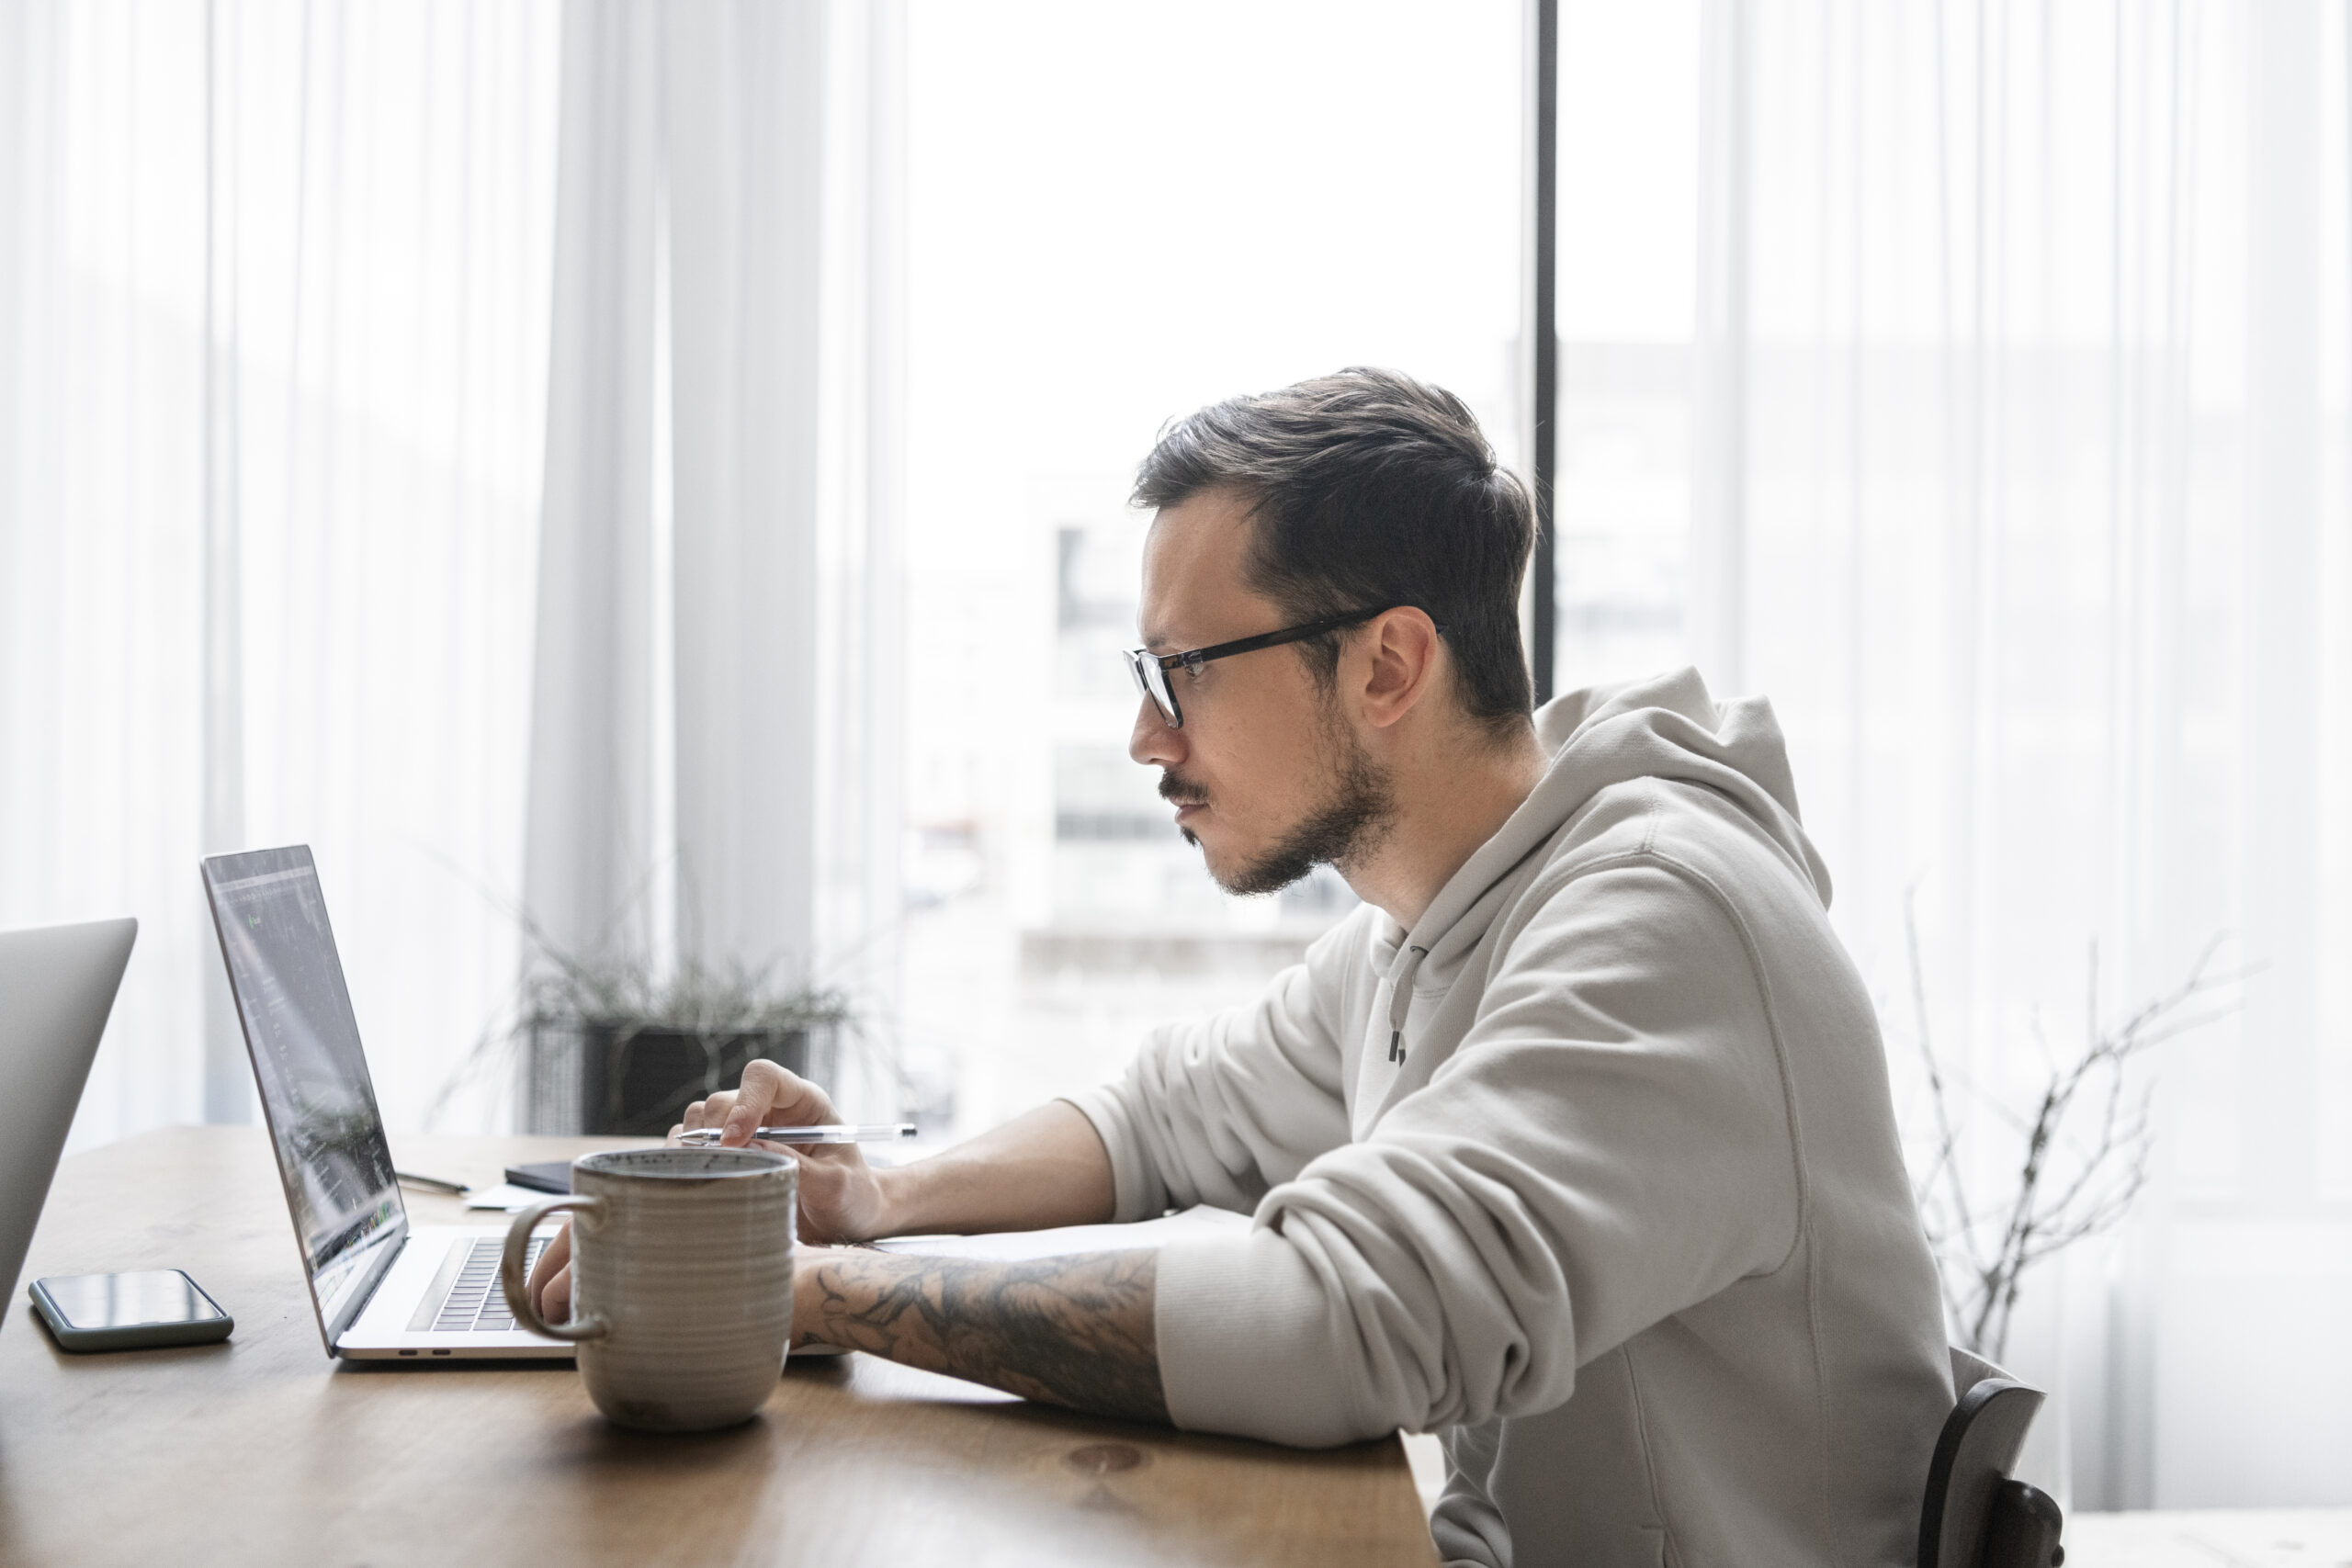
(1974, 1515)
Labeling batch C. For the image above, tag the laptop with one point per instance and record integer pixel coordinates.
(384, 1290)
(57, 985)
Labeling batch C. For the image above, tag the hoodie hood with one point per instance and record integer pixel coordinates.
(1662, 726)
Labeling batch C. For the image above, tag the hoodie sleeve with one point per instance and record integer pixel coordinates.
(1219, 1110)
(1609, 1145)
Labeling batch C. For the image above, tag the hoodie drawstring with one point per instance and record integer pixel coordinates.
(1400, 1000)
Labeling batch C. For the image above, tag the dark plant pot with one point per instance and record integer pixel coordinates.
(636, 1081)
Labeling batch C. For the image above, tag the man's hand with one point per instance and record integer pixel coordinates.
(550, 1286)
(1046, 1168)
(1074, 1331)
(841, 1200)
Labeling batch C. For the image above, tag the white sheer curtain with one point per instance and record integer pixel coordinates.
(2008, 419)
(317, 318)
(273, 318)
(714, 771)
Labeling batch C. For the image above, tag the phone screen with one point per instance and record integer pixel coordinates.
(125, 1301)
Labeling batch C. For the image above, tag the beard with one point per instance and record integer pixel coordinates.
(1352, 817)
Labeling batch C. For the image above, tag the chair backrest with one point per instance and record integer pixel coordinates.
(1974, 1515)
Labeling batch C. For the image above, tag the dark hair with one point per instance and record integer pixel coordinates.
(1369, 489)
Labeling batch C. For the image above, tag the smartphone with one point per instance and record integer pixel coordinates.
(128, 1312)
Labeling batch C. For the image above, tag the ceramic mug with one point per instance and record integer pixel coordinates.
(681, 1281)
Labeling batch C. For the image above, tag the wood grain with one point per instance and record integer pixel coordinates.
(262, 1449)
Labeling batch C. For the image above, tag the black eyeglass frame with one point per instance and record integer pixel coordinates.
(1141, 660)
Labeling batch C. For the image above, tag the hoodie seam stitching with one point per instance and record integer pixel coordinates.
(1805, 1183)
(1649, 1453)
(1655, 813)
(1750, 948)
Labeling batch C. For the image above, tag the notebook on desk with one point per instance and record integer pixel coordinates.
(544, 1176)
(383, 1289)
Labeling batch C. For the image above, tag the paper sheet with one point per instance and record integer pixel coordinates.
(1013, 1246)
(506, 1195)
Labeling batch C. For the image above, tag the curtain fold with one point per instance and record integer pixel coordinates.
(743, 120)
(693, 133)
(2016, 478)
(861, 649)
(713, 756)
(591, 831)
(370, 483)
(273, 296)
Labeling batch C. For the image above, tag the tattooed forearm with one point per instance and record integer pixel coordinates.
(1073, 1331)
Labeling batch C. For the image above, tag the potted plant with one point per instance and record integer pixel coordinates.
(610, 1046)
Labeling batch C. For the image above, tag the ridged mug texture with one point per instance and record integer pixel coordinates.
(688, 1261)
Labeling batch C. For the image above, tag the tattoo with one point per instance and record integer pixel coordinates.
(1071, 1331)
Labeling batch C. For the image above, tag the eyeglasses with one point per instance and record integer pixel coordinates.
(1151, 670)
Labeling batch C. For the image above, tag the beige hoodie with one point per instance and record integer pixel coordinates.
(1594, 1170)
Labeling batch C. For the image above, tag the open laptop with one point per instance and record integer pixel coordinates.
(57, 985)
(384, 1290)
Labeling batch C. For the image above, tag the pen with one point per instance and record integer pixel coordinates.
(831, 1133)
(433, 1183)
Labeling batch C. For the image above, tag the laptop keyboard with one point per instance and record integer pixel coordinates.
(475, 1302)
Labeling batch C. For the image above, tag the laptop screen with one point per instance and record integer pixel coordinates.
(307, 1060)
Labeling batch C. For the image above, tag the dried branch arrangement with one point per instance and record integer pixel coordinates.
(2070, 1168)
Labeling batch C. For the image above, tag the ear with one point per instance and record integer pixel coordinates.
(1393, 664)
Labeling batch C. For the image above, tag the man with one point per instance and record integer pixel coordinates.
(1573, 1144)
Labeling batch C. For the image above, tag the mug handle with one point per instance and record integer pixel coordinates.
(517, 1285)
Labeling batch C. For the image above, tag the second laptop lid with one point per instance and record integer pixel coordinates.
(57, 985)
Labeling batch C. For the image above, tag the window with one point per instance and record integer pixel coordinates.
(1116, 215)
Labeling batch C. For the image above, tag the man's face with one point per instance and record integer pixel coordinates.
(1269, 778)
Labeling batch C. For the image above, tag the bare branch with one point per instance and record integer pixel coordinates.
(2085, 1145)
(1947, 1164)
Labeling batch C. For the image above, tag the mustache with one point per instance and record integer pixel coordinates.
(1177, 790)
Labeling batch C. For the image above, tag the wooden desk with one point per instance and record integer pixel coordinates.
(262, 1451)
